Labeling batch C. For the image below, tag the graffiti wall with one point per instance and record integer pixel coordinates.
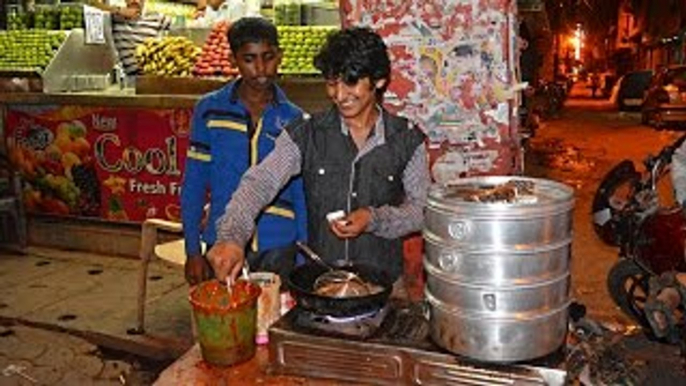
(452, 73)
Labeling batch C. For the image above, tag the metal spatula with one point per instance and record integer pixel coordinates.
(345, 283)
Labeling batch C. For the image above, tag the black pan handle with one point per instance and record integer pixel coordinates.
(313, 255)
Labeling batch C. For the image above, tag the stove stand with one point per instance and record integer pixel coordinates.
(399, 351)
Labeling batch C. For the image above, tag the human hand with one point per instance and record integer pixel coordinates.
(353, 224)
(197, 269)
(227, 259)
(199, 13)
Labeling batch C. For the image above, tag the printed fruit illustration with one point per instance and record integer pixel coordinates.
(214, 59)
(86, 179)
(71, 138)
(300, 45)
(170, 56)
(28, 50)
(60, 178)
(116, 209)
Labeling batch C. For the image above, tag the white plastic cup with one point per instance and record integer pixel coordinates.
(268, 304)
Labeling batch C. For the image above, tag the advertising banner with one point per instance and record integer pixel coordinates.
(118, 164)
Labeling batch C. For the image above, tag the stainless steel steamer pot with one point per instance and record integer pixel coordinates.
(498, 273)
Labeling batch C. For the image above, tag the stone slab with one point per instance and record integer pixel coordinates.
(95, 297)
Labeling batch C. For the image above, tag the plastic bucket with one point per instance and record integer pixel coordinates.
(226, 325)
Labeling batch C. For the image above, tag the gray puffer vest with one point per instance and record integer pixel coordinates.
(333, 182)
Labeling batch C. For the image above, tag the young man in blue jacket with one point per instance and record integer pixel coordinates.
(233, 129)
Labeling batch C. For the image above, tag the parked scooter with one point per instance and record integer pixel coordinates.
(529, 118)
(650, 237)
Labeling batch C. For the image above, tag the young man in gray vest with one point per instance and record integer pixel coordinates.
(355, 157)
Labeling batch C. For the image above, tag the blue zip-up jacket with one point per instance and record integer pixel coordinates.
(221, 149)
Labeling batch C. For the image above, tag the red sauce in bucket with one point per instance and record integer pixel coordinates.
(213, 295)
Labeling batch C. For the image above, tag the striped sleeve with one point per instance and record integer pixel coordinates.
(258, 187)
(395, 221)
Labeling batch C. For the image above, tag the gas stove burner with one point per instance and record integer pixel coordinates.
(358, 326)
(396, 351)
(349, 319)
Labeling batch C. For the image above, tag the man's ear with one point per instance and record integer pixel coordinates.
(232, 60)
(381, 83)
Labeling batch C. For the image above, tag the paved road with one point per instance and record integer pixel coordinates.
(578, 148)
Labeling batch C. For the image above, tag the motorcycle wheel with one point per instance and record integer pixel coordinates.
(610, 198)
(628, 287)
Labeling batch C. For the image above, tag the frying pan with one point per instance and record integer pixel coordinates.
(301, 282)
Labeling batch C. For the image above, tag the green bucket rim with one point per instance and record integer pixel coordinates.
(254, 292)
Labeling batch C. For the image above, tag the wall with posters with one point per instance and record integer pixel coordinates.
(453, 65)
(112, 163)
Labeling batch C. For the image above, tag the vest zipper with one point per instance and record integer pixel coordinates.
(253, 139)
(351, 183)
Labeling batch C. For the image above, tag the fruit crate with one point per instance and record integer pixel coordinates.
(28, 52)
(46, 16)
(300, 44)
(71, 15)
(64, 69)
(17, 17)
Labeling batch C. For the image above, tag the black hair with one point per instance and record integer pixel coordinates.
(352, 54)
(252, 30)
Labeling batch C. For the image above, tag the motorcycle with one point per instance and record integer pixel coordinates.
(529, 116)
(627, 214)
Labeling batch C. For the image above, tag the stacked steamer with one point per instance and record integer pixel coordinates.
(497, 260)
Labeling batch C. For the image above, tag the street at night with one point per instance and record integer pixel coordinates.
(578, 148)
(343, 192)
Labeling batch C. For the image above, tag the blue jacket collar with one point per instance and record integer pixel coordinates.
(279, 95)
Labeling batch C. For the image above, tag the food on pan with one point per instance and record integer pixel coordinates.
(337, 287)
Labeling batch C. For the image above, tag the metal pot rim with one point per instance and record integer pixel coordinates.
(508, 286)
(560, 202)
(517, 317)
(434, 239)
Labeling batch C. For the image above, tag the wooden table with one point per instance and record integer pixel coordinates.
(190, 369)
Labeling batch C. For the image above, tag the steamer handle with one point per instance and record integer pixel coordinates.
(489, 301)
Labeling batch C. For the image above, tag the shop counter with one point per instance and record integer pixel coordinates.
(190, 369)
(112, 157)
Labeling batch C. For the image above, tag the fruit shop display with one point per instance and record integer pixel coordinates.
(300, 45)
(17, 19)
(71, 16)
(170, 9)
(28, 50)
(214, 59)
(287, 12)
(169, 56)
(58, 169)
(46, 17)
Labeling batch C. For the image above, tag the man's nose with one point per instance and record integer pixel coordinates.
(340, 91)
(260, 66)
